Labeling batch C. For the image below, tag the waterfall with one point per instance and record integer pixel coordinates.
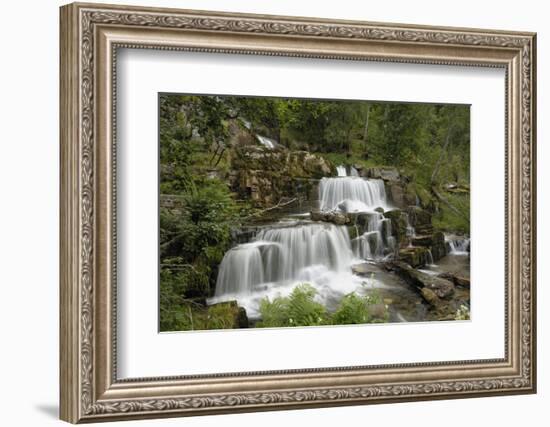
(457, 245)
(283, 254)
(352, 194)
(342, 171)
(267, 142)
(241, 269)
(377, 241)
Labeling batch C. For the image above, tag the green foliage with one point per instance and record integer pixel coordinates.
(300, 309)
(192, 244)
(353, 309)
(448, 220)
(189, 316)
(200, 137)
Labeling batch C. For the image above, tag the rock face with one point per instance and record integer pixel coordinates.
(435, 242)
(415, 256)
(457, 279)
(399, 224)
(435, 290)
(333, 217)
(420, 219)
(365, 269)
(267, 175)
(386, 174)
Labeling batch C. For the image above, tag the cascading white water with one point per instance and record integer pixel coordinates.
(342, 171)
(352, 194)
(267, 142)
(377, 241)
(318, 253)
(458, 245)
(241, 269)
(283, 254)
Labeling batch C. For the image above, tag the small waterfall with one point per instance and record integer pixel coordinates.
(352, 194)
(457, 245)
(410, 232)
(377, 241)
(241, 269)
(283, 254)
(267, 142)
(342, 171)
(429, 258)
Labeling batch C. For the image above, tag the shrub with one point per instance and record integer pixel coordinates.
(298, 309)
(353, 309)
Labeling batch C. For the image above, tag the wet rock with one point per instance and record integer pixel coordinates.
(420, 219)
(334, 217)
(379, 210)
(439, 248)
(378, 311)
(434, 242)
(365, 269)
(457, 279)
(441, 287)
(399, 225)
(430, 297)
(415, 256)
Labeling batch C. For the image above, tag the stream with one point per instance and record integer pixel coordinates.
(294, 249)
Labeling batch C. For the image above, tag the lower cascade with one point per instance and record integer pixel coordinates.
(377, 241)
(277, 257)
(283, 254)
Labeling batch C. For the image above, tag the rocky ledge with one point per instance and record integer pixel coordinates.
(435, 290)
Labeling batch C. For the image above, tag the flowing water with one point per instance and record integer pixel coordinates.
(352, 194)
(283, 254)
(457, 245)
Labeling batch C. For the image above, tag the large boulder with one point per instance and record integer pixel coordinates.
(305, 164)
(333, 217)
(420, 219)
(227, 315)
(434, 242)
(399, 225)
(385, 173)
(415, 256)
(401, 194)
(442, 288)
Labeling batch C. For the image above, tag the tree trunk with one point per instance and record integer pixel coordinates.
(443, 152)
(366, 130)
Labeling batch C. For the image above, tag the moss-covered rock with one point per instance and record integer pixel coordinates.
(399, 225)
(226, 315)
(385, 173)
(439, 286)
(415, 256)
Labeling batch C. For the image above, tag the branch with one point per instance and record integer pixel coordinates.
(449, 205)
(277, 206)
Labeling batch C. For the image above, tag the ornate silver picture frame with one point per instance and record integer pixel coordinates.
(91, 34)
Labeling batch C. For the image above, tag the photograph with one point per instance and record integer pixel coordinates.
(291, 212)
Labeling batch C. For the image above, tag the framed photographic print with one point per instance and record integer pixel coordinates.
(265, 212)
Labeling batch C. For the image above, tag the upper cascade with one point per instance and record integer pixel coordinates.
(352, 194)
